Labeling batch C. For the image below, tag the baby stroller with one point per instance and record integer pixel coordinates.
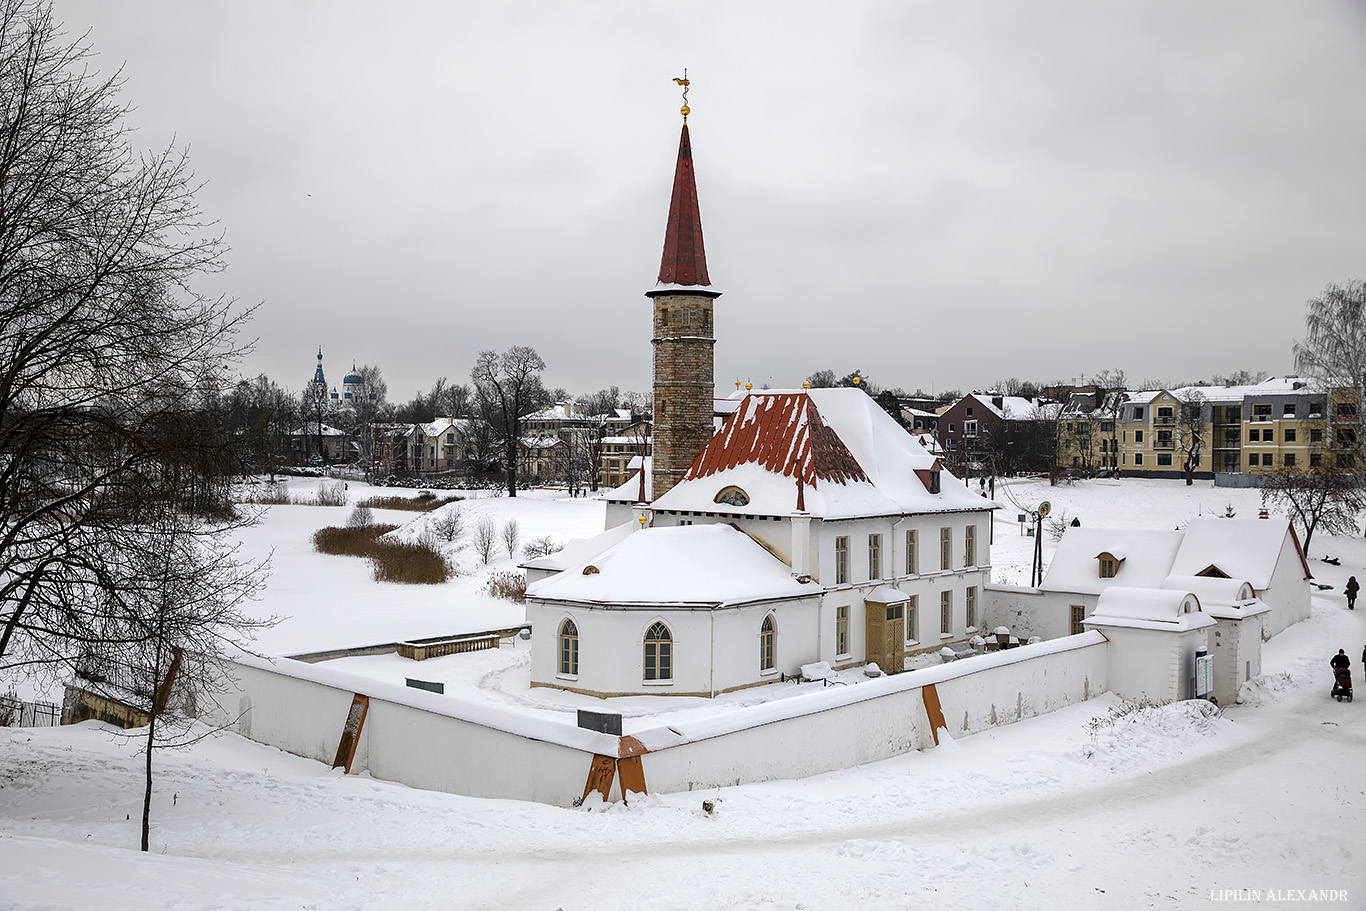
(1342, 684)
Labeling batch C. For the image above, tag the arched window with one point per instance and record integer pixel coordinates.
(659, 652)
(768, 644)
(569, 649)
(732, 496)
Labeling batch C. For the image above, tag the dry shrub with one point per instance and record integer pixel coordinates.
(412, 564)
(360, 517)
(541, 547)
(509, 585)
(393, 561)
(360, 541)
(331, 493)
(423, 502)
(275, 493)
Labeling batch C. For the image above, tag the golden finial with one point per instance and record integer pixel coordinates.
(737, 384)
(749, 387)
(856, 381)
(806, 384)
(685, 110)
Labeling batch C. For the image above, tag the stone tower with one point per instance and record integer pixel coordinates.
(683, 335)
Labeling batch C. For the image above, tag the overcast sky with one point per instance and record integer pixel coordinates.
(939, 194)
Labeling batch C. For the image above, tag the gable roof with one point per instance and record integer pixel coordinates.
(1242, 548)
(1146, 557)
(847, 455)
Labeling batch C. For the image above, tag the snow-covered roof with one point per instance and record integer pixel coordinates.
(1149, 608)
(1016, 408)
(311, 429)
(686, 565)
(1146, 559)
(443, 425)
(1241, 548)
(851, 457)
(581, 550)
(1226, 599)
(885, 594)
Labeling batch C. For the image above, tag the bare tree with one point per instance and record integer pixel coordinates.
(105, 351)
(508, 388)
(1321, 496)
(485, 539)
(1192, 417)
(512, 536)
(1333, 353)
(448, 524)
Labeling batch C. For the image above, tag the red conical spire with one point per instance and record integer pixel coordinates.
(685, 260)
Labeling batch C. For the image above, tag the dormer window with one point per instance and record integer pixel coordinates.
(1213, 572)
(732, 496)
(1109, 564)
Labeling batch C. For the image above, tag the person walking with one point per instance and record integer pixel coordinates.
(1340, 660)
(1351, 590)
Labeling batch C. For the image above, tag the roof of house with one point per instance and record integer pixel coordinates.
(1149, 608)
(581, 550)
(1146, 559)
(1241, 548)
(686, 566)
(845, 455)
(1244, 550)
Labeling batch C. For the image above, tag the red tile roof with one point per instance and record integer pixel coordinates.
(783, 433)
(684, 261)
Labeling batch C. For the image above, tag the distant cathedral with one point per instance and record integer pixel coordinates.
(352, 386)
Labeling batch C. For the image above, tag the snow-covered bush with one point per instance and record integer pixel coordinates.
(448, 526)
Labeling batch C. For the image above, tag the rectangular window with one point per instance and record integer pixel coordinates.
(946, 612)
(1078, 615)
(1315, 459)
(1138, 458)
(970, 598)
(969, 428)
(1289, 434)
(1164, 414)
(945, 548)
(1253, 460)
(1254, 436)
(1289, 409)
(1138, 412)
(875, 556)
(842, 630)
(1315, 409)
(841, 560)
(1289, 460)
(913, 619)
(1347, 409)
(1347, 436)
(1261, 412)
(1164, 460)
(1138, 436)
(1107, 567)
(970, 546)
(912, 560)
(1107, 426)
(1316, 435)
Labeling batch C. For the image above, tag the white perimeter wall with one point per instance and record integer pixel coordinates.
(432, 741)
(1034, 612)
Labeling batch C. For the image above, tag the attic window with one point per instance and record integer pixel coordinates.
(1213, 572)
(934, 482)
(732, 496)
(590, 570)
(1109, 565)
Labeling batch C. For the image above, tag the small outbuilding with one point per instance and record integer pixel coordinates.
(1154, 636)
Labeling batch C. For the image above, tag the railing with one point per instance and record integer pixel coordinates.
(1164, 420)
(422, 649)
(1164, 444)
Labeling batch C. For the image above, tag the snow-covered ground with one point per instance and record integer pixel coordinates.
(1159, 808)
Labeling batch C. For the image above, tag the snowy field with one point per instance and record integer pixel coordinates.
(1158, 808)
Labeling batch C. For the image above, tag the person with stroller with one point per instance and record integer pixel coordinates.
(1342, 676)
(1350, 590)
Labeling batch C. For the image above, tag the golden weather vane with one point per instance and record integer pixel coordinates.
(685, 110)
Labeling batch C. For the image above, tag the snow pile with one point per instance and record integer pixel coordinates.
(1135, 733)
(1265, 689)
